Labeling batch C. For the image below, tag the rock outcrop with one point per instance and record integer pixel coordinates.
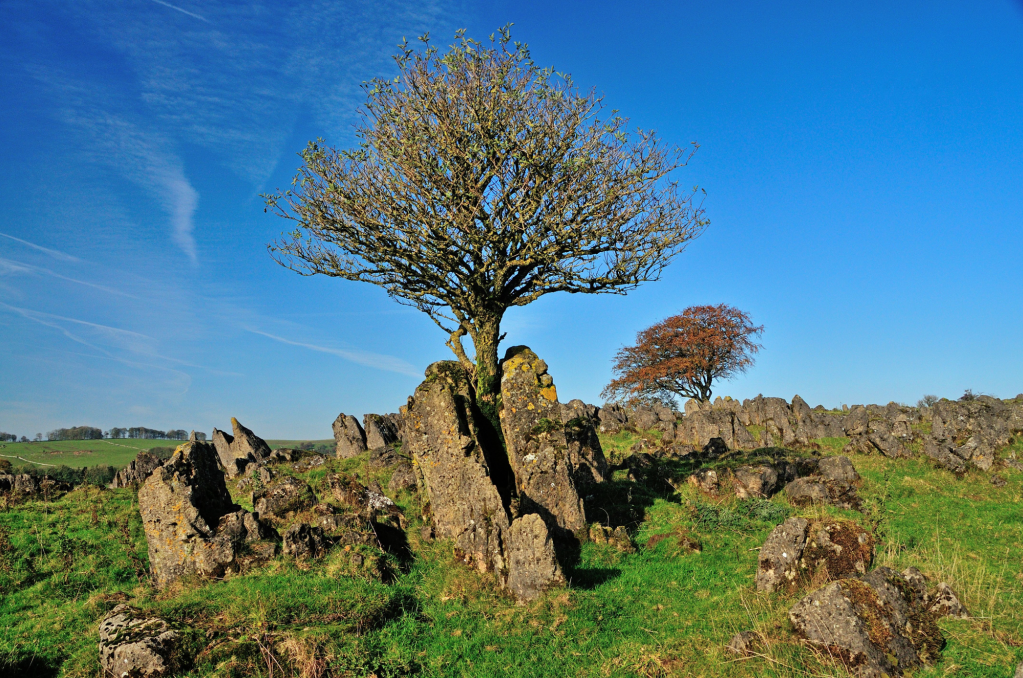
(877, 625)
(585, 454)
(134, 645)
(538, 447)
(240, 449)
(349, 436)
(136, 472)
(191, 524)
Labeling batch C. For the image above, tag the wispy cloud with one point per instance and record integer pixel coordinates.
(376, 360)
(8, 266)
(53, 253)
(145, 157)
(183, 11)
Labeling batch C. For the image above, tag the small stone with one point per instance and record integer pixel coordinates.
(131, 644)
(744, 643)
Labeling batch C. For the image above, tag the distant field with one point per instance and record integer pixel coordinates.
(116, 453)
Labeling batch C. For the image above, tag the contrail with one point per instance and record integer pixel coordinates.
(183, 11)
(29, 268)
(380, 362)
(52, 253)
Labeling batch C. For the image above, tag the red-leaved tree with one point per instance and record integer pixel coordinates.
(684, 354)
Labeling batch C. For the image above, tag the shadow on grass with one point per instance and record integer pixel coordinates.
(591, 577)
(29, 667)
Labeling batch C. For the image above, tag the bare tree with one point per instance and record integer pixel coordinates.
(481, 182)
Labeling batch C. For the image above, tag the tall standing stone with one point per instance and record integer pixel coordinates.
(538, 447)
(442, 433)
(585, 453)
(349, 436)
(191, 524)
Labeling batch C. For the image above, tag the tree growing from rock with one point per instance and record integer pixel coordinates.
(482, 182)
(683, 355)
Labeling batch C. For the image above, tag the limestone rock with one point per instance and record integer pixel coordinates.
(643, 418)
(283, 497)
(537, 444)
(612, 418)
(136, 472)
(532, 564)
(303, 541)
(838, 469)
(380, 431)
(384, 457)
(821, 490)
(875, 625)
(240, 449)
(585, 455)
(131, 644)
(618, 537)
(349, 436)
(182, 504)
(705, 479)
(778, 563)
(443, 436)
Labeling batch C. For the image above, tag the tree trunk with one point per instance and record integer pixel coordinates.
(488, 368)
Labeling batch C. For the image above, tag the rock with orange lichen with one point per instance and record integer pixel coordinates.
(538, 446)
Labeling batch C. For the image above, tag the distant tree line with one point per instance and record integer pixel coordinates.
(93, 433)
(143, 433)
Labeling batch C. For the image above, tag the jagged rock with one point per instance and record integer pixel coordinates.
(303, 541)
(182, 504)
(876, 625)
(702, 427)
(136, 472)
(998, 481)
(532, 565)
(944, 454)
(839, 469)
(857, 422)
(380, 431)
(778, 563)
(612, 418)
(22, 483)
(585, 455)
(643, 418)
(403, 478)
(282, 498)
(821, 490)
(744, 643)
(239, 450)
(349, 436)
(537, 444)
(133, 645)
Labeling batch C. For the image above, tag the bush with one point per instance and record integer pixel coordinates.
(926, 401)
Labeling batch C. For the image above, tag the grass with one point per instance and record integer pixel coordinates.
(117, 453)
(662, 611)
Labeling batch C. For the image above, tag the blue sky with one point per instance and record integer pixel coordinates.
(863, 167)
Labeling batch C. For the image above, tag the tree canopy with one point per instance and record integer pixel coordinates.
(683, 355)
(481, 182)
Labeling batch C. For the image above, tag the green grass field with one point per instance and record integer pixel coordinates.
(658, 612)
(117, 453)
